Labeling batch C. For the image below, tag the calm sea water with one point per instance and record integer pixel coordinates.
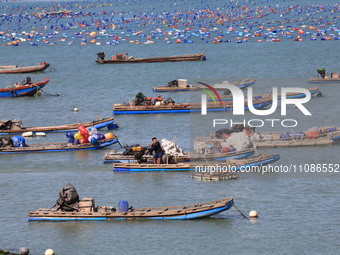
(298, 213)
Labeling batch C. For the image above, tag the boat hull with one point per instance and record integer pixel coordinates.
(25, 69)
(98, 124)
(25, 90)
(37, 148)
(324, 80)
(178, 109)
(187, 212)
(192, 57)
(235, 166)
(313, 91)
(241, 85)
(119, 158)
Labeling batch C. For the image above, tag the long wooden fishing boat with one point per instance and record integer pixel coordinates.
(105, 213)
(56, 147)
(200, 166)
(13, 127)
(23, 90)
(294, 143)
(313, 91)
(23, 69)
(114, 157)
(287, 139)
(185, 107)
(181, 88)
(324, 80)
(120, 60)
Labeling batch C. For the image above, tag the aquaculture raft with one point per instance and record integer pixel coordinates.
(189, 57)
(23, 90)
(15, 126)
(236, 164)
(215, 176)
(56, 147)
(24, 69)
(111, 157)
(104, 213)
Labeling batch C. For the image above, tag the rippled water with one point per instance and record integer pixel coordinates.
(298, 214)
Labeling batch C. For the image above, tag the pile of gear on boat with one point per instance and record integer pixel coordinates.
(69, 201)
(15, 141)
(169, 151)
(10, 124)
(235, 139)
(141, 99)
(87, 136)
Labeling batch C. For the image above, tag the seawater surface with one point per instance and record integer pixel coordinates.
(298, 213)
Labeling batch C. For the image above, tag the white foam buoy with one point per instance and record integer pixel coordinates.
(49, 252)
(75, 109)
(253, 214)
(40, 134)
(27, 134)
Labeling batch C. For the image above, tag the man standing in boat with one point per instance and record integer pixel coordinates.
(158, 151)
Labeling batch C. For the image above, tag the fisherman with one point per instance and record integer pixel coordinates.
(157, 99)
(26, 81)
(157, 148)
(16, 84)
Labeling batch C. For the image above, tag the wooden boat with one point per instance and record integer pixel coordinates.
(182, 86)
(13, 127)
(274, 140)
(104, 213)
(294, 143)
(201, 166)
(50, 13)
(185, 107)
(23, 90)
(324, 79)
(55, 147)
(24, 69)
(313, 91)
(114, 157)
(295, 139)
(118, 59)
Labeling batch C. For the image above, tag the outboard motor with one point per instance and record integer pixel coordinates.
(68, 198)
(173, 83)
(101, 55)
(322, 72)
(140, 99)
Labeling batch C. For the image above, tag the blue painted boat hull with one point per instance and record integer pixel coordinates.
(192, 167)
(120, 216)
(99, 146)
(29, 91)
